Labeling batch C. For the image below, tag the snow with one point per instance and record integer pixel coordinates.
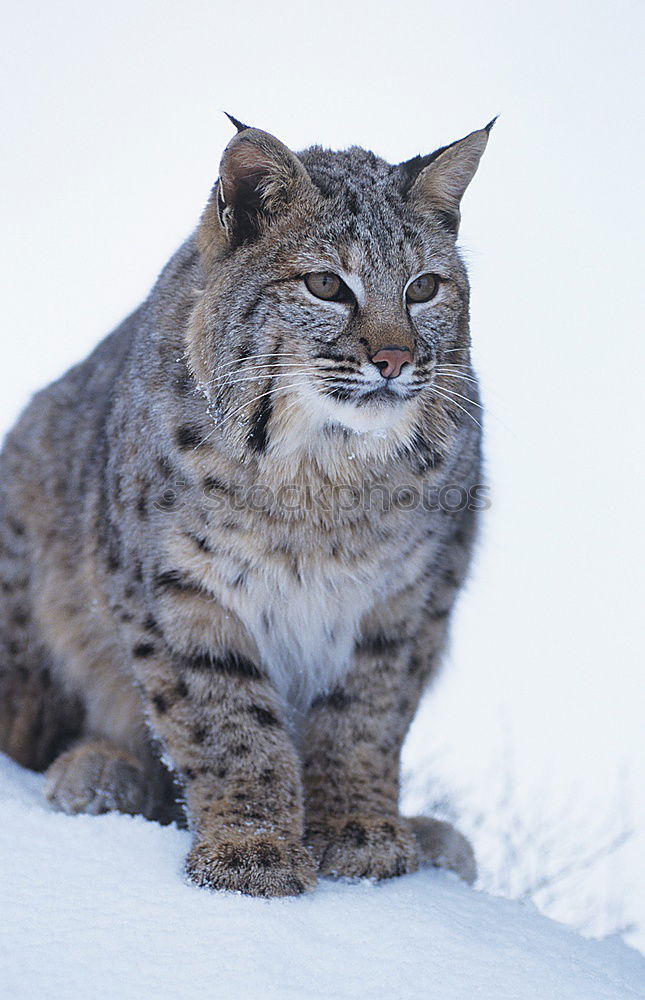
(105, 172)
(98, 907)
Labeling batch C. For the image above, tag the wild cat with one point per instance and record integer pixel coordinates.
(231, 539)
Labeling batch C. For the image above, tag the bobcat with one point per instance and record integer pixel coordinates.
(229, 541)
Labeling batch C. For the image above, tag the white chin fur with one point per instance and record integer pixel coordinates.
(368, 419)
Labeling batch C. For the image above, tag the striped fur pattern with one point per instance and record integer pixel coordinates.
(224, 586)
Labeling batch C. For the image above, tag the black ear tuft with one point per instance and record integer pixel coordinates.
(488, 127)
(238, 124)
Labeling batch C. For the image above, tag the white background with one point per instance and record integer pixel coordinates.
(112, 130)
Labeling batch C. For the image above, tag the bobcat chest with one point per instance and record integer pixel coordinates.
(301, 605)
(304, 619)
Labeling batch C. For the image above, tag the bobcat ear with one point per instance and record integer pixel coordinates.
(439, 181)
(259, 177)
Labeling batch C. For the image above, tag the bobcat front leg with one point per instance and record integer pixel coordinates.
(223, 728)
(353, 743)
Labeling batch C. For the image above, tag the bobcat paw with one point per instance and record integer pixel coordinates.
(442, 846)
(256, 864)
(363, 847)
(95, 778)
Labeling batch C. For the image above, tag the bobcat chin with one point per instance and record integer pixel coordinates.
(231, 539)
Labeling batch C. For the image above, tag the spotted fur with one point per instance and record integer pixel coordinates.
(222, 588)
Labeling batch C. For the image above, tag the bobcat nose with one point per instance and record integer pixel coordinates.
(390, 360)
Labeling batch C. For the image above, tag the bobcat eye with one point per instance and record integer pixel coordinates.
(423, 288)
(325, 285)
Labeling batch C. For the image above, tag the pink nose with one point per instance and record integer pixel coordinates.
(390, 360)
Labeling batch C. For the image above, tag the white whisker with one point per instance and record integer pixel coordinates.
(449, 399)
(456, 375)
(254, 357)
(225, 380)
(292, 385)
(229, 416)
(453, 392)
(258, 368)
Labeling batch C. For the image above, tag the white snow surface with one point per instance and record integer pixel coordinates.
(97, 907)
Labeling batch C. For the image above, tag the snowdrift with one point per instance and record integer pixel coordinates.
(96, 907)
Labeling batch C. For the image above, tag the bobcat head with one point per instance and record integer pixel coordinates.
(333, 294)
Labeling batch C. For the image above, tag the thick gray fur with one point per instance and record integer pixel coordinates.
(172, 643)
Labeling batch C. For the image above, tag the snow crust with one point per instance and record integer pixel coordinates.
(97, 907)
